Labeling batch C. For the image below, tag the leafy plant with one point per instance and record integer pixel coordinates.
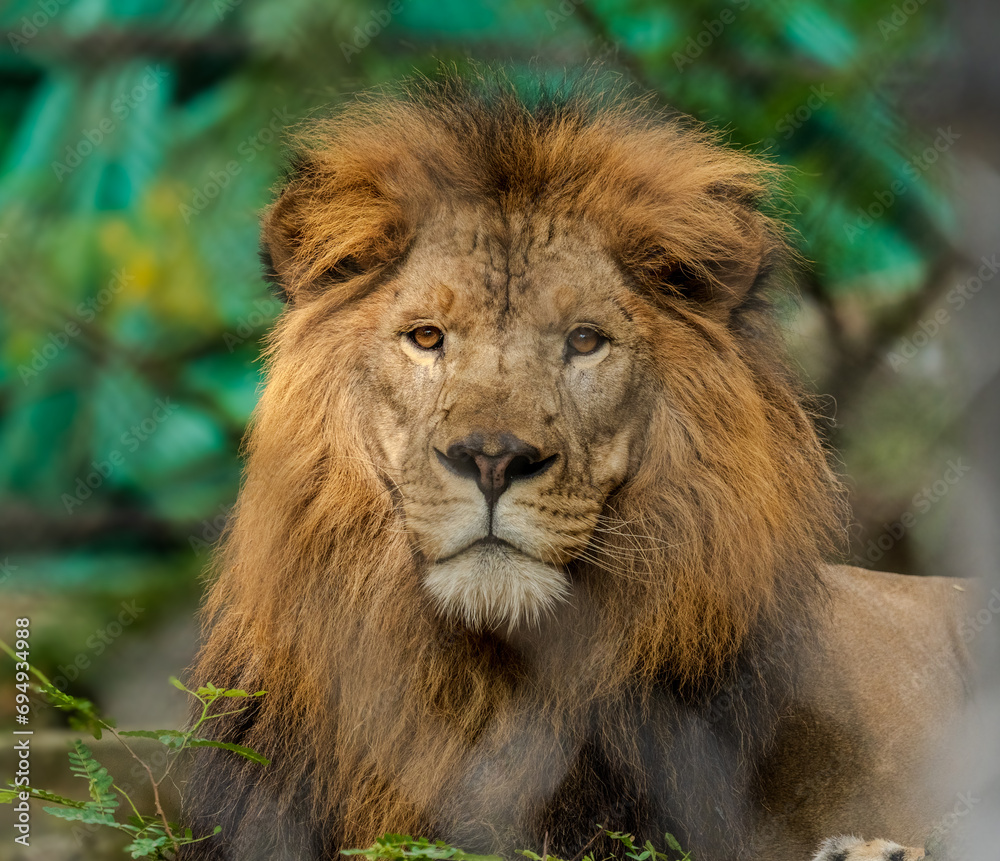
(155, 837)
(647, 852)
(397, 847)
(152, 836)
(402, 847)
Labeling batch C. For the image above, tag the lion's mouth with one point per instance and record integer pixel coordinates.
(487, 541)
(492, 583)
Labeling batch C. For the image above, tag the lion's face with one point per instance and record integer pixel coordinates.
(528, 357)
(505, 380)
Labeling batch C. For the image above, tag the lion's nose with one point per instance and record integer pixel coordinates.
(509, 459)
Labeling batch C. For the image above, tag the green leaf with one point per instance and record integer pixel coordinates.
(671, 841)
(87, 814)
(245, 752)
(177, 739)
(624, 838)
(143, 847)
(8, 795)
(45, 795)
(83, 714)
(207, 691)
(169, 737)
(83, 764)
(62, 700)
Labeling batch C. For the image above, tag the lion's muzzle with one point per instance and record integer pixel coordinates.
(494, 467)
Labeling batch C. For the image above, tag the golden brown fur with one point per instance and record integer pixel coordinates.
(651, 693)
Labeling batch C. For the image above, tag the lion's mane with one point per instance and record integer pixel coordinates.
(380, 715)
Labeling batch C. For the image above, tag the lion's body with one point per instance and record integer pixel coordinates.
(870, 746)
(533, 523)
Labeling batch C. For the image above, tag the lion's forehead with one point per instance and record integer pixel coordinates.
(474, 268)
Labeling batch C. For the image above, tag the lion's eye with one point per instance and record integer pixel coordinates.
(583, 340)
(427, 337)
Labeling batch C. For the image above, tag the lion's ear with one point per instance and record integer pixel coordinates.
(280, 238)
(723, 271)
(331, 228)
(706, 242)
(734, 273)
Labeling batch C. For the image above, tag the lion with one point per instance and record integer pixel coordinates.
(534, 532)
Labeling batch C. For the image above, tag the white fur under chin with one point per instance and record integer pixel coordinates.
(490, 587)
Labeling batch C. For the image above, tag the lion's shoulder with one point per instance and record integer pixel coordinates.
(876, 705)
(887, 642)
(895, 616)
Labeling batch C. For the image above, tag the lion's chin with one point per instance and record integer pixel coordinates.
(492, 586)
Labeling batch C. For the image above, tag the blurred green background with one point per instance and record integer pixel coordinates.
(140, 138)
